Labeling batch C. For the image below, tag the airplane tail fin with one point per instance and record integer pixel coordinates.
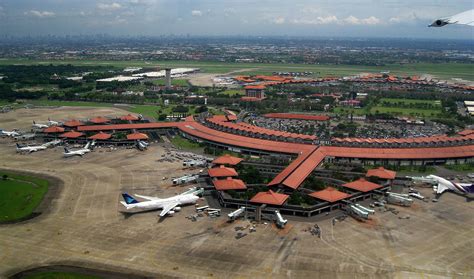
(129, 199)
(66, 150)
(18, 146)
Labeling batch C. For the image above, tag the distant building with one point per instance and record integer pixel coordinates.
(255, 91)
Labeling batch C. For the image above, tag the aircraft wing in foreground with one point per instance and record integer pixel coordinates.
(464, 18)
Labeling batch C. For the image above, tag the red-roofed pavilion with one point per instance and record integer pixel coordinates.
(222, 172)
(54, 129)
(269, 197)
(362, 185)
(99, 120)
(71, 135)
(73, 123)
(100, 136)
(129, 117)
(227, 160)
(137, 136)
(330, 194)
(381, 172)
(229, 184)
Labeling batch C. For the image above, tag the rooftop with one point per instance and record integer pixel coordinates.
(229, 184)
(227, 160)
(330, 194)
(100, 136)
(71, 135)
(73, 123)
(222, 172)
(381, 172)
(269, 197)
(362, 185)
(99, 120)
(54, 129)
(137, 136)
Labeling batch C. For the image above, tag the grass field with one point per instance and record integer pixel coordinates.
(396, 101)
(233, 92)
(442, 70)
(174, 82)
(185, 144)
(406, 111)
(20, 195)
(59, 275)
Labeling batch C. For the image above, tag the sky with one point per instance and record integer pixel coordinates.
(312, 18)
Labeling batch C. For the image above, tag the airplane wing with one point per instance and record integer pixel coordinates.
(167, 207)
(464, 18)
(147, 197)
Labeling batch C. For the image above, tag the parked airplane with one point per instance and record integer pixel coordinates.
(141, 145)
(79, 152)
(443, 185)
(168, 206)
(38, 125)
(30, 149)
(53, 123)
(465, 18)
(9, 134)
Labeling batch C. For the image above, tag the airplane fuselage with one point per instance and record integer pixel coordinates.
(159, 204)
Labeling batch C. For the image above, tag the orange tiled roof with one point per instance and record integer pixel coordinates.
(269, 197)
(53, 129)
(330, 194)
(222, 172)
(229, 184)
(129, 117)
(99, 120)
(71, 135)
(381, 172)
(227, 160)
(100, 136)
(362, 185)
(73, 123)
(137, 136)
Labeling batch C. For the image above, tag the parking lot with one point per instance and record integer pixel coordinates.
(85, 228)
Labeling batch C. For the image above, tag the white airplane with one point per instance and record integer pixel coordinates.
(443, 185)
(464, 18)
(142, 145)
(30, 149)
(9, 134)
(39, 126)
(168, 206)
(53, 123)
(79, 152)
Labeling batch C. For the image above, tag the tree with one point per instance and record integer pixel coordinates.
(162, 117)
(5, 177)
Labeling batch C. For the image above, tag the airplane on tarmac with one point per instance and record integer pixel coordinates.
(168, 206)
(79, 152)
(142, 145)
(9, 134)
(30, 149)
(38, 125)
(53, 123)
(464, 18)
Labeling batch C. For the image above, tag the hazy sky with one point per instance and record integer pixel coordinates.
(390, 18)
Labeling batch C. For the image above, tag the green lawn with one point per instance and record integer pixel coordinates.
(174, 82)
(441, 70)
(429, 113)
(59, 275)
(460, 167)
(20, 195)
(232, 92)
(183, 143)
(407, 102)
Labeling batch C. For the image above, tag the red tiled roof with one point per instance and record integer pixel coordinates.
(137, 136)
(153, 125)
(255, 87)
(466, 132)
(269, 197)
(71, 135)
(73, 123)
(53, 129)
(330, 194)
(297, 116)
(99, 120)
(231, 117)
(100, 136)
(362, 185)
(229, 184)
(227, 160)
(381, 172)
(295, 179)
(129, 117)
(222, 172)
(290, 168)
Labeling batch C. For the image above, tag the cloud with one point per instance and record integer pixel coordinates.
(318, 20)
(40, 14)
(196, 13)
(279, 20)
(109, 7)
(352, 20)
